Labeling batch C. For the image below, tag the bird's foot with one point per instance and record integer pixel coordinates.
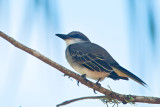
(78, 83)
(98, 84)
(84, 78)
(94, 91)
(68, 77)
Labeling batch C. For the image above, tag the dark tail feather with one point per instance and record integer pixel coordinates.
(115, 76)
(132, 76)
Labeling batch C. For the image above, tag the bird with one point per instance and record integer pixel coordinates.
(93, 61)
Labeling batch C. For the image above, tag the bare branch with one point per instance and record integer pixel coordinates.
(82, 98)
(108, 93)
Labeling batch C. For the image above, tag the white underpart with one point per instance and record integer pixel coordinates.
(90, 74)
(73, 41)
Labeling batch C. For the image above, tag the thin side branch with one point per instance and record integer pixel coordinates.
(82, 98)
(108, 93)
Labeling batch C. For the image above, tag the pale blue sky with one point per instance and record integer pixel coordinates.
(120, 27)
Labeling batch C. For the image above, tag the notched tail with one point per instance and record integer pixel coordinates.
(123, 72)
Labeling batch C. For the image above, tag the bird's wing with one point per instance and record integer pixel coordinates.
(86, 55)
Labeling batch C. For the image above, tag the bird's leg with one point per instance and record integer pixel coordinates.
(99, 85)
(84, 78)
(98, 82)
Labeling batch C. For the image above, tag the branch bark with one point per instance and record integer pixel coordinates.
(108, 93)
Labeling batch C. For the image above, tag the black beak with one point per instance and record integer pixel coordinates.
(63, 36)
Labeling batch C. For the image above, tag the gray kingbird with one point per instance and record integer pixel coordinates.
(92, 60)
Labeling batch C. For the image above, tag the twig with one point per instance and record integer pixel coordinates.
(82, 98)
(111, 94)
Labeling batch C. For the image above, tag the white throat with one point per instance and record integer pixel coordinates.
(73, 41)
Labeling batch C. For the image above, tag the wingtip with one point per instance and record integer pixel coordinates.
(145, 85)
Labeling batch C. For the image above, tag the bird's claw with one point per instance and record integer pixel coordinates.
(94, 91)
(84, 78)
(98, 84)
(78, 83)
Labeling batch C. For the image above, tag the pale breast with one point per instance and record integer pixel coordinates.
(90, 74)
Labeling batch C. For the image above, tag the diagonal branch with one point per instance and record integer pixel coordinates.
(108, 93)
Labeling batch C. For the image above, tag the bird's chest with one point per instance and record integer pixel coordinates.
(73, 64)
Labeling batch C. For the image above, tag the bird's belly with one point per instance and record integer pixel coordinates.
(90, 74)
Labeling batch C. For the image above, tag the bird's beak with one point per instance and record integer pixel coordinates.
(63, 36)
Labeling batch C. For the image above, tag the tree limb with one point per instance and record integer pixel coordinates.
(108, 93)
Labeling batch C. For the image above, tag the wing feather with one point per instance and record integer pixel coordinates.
(92, 61)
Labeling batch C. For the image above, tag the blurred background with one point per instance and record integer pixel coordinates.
(128, 29)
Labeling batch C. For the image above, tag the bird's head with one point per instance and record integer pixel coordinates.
(73, 37)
